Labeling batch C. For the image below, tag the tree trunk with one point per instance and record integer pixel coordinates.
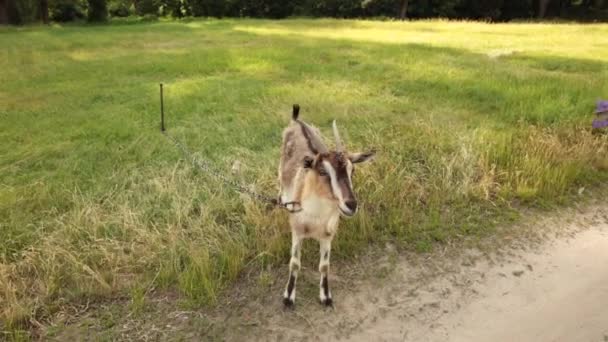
(542, 8)
(44, 11)
(403, 9)
(14, 17)
(3, 12)
(563, 7)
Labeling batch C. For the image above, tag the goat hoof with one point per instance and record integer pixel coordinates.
(288, 303)
(328, 302)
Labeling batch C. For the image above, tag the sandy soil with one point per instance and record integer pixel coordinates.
(552, 290)
(543, 281)
(563, 296)
(559, 293)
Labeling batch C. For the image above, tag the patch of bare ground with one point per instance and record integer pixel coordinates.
(535, 275)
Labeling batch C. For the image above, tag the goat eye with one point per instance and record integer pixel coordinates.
(322, 172)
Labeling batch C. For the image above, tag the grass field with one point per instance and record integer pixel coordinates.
(471, 121)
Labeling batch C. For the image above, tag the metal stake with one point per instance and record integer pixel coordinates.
(162, 110)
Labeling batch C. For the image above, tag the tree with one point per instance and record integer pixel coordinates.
(403, 9)
(3, 12)
(11, 13)
(542, 8)
(44, 11)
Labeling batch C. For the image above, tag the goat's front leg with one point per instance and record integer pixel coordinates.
(289, 296)
(324, 251)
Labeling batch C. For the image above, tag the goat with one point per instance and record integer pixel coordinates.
(317, 184)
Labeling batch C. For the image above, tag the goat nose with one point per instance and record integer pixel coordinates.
(352, 205)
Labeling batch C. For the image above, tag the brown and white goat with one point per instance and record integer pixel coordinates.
(318, 183)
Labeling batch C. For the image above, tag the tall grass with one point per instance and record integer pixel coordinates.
(469, 120)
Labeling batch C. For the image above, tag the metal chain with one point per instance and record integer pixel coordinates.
(207, 168)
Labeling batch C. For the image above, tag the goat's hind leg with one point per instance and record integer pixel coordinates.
(289, 296)
(324, 293)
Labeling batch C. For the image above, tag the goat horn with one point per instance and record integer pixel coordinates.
(339, 146)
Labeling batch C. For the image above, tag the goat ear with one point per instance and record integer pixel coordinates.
(361, 157)
(308, 162)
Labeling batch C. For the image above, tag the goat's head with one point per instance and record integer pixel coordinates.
(334, 171)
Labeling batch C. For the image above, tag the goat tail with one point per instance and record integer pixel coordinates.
(296, 112)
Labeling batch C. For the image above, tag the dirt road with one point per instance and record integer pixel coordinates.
(563, 297)
(559, 293)
(554, 290)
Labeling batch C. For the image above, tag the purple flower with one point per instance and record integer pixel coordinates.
(602, 106)
(600, 123)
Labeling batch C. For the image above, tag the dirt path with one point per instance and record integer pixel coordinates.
(554, 290)
(563, 298)
(559, 293)
(544, 281)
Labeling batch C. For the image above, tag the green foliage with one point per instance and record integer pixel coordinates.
(174, 8)
(120, 8)
(493, 10)
(97, 11)
(275, 9)
(486, 9)
(517, 9)
(336, 8)
(28, 10)
(378, 8)
(66, 10)
(207, 8)
(465, 9)
(22, 11)
(147, 7)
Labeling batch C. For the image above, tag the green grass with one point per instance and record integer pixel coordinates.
(468, 118)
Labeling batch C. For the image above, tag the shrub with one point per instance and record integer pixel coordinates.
(146, 7)
(278, 9)
(485, 9)
(378, 8)
(66, 10)
(208, 8)
(28, 10)
(336, 8)
(517, 9)
(98, 11)
(120, 8)
(175, 8)
(450, 9)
